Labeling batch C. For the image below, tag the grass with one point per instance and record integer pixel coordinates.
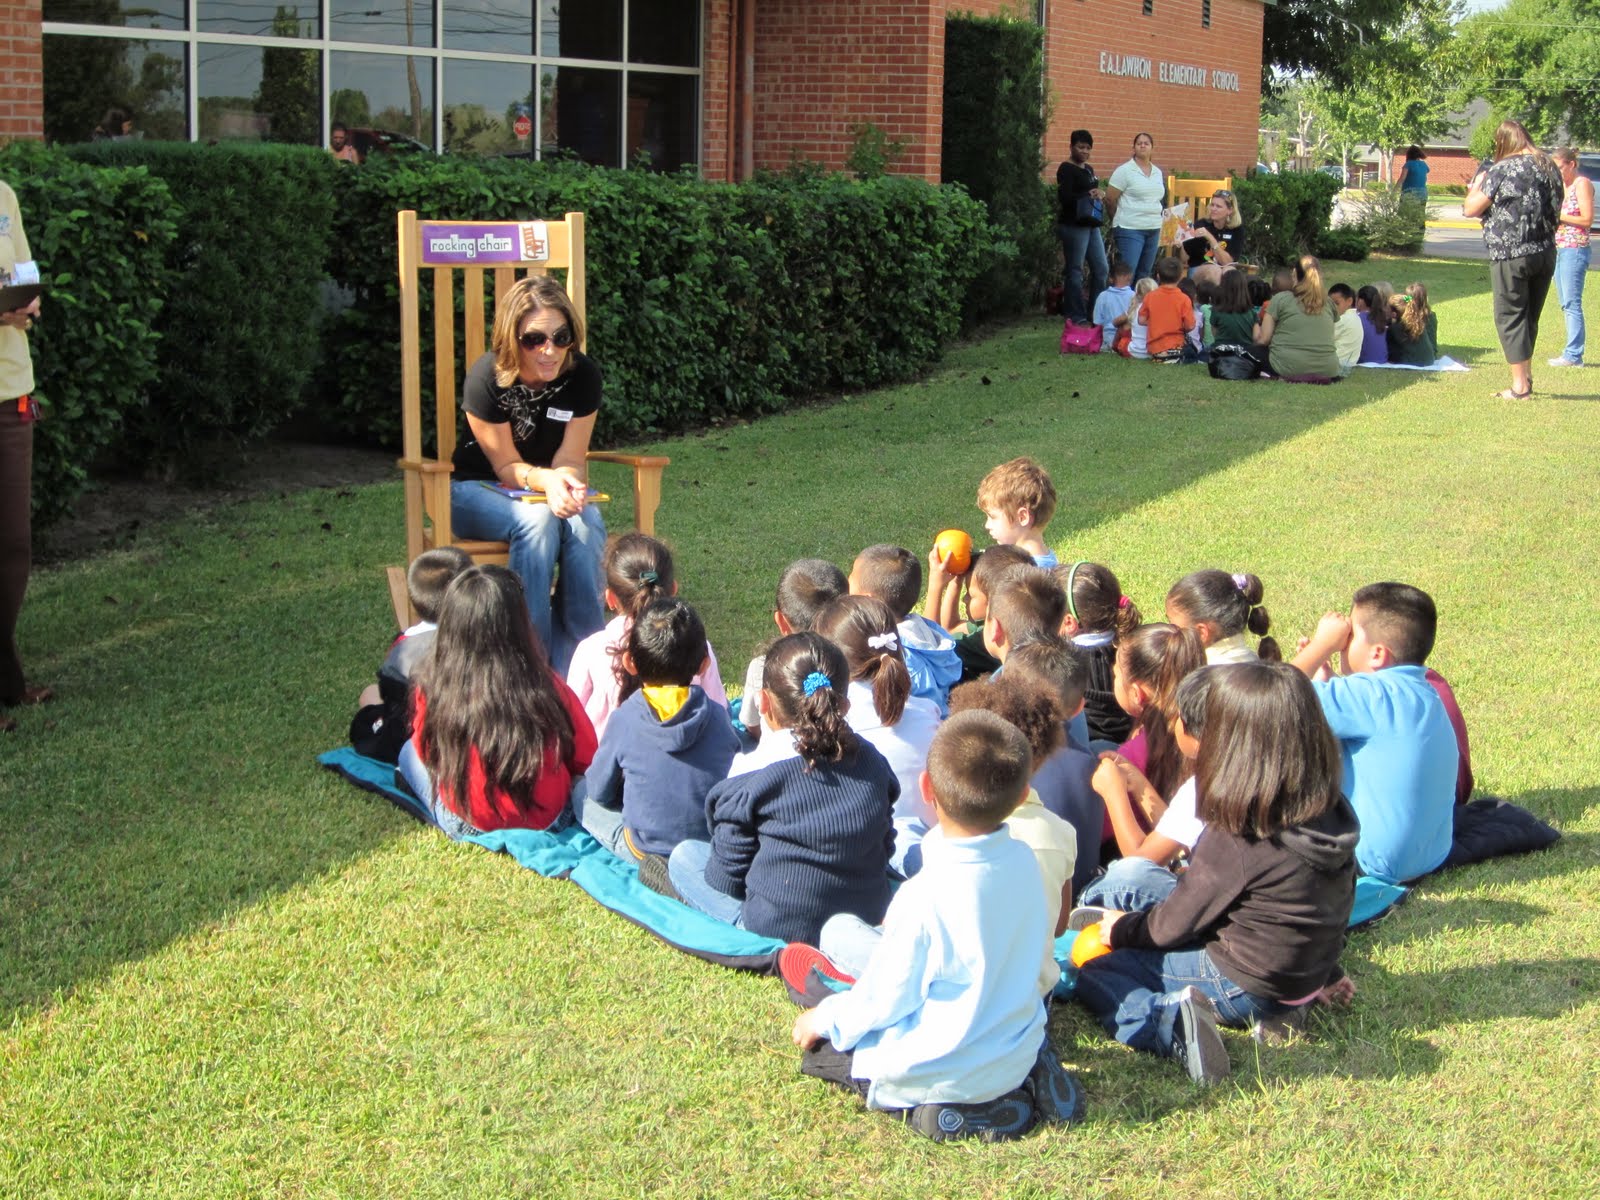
(225, 973)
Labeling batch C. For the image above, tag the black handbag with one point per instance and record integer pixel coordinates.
(1090, 210)
(1230, 361)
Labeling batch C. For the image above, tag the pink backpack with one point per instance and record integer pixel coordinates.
(1080, 339)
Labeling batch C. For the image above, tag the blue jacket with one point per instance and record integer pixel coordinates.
(931, 659)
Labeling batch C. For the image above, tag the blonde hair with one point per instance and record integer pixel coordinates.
(525, 297)
(1308, 287)
(1511, 137)
(1140, 290)
(1020, 483)
(1414, 313)
(1232, 201)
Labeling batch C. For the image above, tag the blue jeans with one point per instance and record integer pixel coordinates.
(849, 942)
(420, 780)
(1133, 993)
(1572, 264)
(602, 823)
(1137, 248)
(1082, 243)
(539, 540)
(686, 868)
(1131, 884)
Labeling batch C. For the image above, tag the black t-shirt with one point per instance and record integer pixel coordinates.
(538, 416)
(1197, 247)
(1073, 181)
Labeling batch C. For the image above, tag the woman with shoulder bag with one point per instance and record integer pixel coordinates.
(1082, 205)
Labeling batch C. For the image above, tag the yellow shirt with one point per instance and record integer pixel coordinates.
(16, 365)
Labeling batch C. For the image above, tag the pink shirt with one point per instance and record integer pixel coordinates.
(592, 675)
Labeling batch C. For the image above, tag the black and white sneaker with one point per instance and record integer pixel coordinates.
(1199, 1044)
(1084, 916)
(1057, 1095)
(1002, 1119)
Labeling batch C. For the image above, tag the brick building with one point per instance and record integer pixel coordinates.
(733, 85)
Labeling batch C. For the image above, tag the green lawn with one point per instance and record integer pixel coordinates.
(225, 973)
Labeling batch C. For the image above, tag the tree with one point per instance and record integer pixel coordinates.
(1325, 37)
(1538, 61)
(291, 88)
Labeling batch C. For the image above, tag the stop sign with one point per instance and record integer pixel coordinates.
(522, 126)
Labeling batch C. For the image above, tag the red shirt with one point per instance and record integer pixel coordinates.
(496, 809)
(1168, 315)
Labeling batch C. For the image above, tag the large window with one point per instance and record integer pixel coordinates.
(611, 82)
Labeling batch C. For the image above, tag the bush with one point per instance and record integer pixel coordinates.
(1285, 215)
(1347, 243)
(705, 300)
(994, 123)
(1390, 220)
(239, 333)
(101, 238)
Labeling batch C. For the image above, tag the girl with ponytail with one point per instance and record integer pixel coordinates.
(800, 829)
(1297, 328)
(1099, 618)
(638, 571)
(883, 711)
(1220, 608)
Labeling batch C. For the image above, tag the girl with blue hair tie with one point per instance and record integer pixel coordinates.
(801, 828)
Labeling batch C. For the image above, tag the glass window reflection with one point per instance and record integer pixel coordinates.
(388, 94)
(260, 18)
(260, 93)
(84, 77)
(130, 14)
(482, 103)
(386, 22)
(498, 26)
(581, 115)
(661, 120)
(665, 32)
(581, 28)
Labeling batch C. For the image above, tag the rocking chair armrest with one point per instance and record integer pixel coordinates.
(428, 466)
(629, 460)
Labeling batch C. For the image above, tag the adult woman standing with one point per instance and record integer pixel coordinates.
(1297, 327)
(1219, 236)
(530, 403)
(1137, 193)
(1519, 198)
(1414, 176)
(1572, 252)
(1081, 201)
(17, 413)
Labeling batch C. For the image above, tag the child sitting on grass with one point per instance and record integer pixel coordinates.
(944, 594)
(1131, 338)
(1373, 314)
(944, 1027)
(383, 719)
(1111, 306)
(1400, 752)
(1347, 329)
(804, 588)
(803, 830)
(1254, 928)
(1018, 499)
(638, 571)
(1220, 607)
(1233, 316)
(497, 736)
(1098, 618)
(893, 575)
(1413, 328)
(666, 745)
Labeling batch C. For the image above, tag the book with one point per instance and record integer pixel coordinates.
(19, 295)
(593, 496)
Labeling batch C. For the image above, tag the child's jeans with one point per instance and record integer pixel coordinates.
(1134, 994)
(849, 942)
(1131, 884)
(686, 868)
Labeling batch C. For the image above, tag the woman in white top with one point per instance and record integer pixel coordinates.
(1137, 195)
(884, 713)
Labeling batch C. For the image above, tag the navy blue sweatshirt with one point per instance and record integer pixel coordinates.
(658, 772)
(1065, 783)
(799, 845)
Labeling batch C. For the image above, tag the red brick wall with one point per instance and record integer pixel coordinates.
(21, 71)
(717, 144)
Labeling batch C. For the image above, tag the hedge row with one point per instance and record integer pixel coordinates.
(1286, 215)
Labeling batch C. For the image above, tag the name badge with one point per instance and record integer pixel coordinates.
(558, 414)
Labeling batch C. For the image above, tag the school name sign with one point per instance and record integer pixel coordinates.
(1137, 66)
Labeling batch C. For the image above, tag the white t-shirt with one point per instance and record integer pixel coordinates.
(1179, 821)
(1142, 196)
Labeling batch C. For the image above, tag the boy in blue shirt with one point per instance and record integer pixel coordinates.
(1113, 303)
(1018, 499)
(894, 575)
(945, 1027)
(1399, 750)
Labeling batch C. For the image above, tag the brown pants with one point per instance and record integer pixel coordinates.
(16, 540)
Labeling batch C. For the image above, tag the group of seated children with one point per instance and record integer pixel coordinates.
(1201, 805)
(1178, 318)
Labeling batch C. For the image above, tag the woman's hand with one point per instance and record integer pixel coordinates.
(565, 491)
(19, 318)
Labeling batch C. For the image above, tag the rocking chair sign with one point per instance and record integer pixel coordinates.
(473, 243)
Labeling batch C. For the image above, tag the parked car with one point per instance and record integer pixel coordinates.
(383, 141)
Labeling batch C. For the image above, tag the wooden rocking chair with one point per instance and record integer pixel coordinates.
(506, 250)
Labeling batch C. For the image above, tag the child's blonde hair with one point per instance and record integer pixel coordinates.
(1140, 290)
(1020, 483)
(1413, 314)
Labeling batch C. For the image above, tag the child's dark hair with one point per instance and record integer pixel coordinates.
(1269, 761)
(805, 680)
(805, 588)
(1399, 616)
(979, 765)
(891, 573)
(1095, 599)
(1283, 280)
(1188, 288)
(1193, 693)
(1160, 657)
(667, 643)
(1377, 310)
(1259, 290)
(1343, 289)
(638, 572)
(1230, 602)
(430, 574)
(1207, 292)
(991, 565)
(1233, 293)
(1057, 663)
(864, 628)
(488, 686)
(1028, 603)
(1025, 701)
(1168, 270)
(1121, 269)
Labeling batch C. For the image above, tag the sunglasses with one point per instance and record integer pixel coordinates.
(535, 339)
(1222, 195)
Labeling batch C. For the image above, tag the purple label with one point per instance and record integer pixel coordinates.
(473, 243)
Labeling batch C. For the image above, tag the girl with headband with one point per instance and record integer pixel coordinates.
(1099, 618)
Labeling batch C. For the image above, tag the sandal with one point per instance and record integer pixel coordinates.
(1508, 394)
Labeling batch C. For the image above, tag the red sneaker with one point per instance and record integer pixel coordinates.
(809, 974)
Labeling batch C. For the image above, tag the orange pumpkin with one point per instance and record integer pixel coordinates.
(955, 547)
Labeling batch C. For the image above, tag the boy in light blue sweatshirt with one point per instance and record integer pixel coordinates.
(894, 575)
(1113, 303)
(1399, 749)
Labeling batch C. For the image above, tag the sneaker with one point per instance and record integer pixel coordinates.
(653, 874)
(1281, 1027)
(1201, 1049)
(1057, 1096)
(1084, 916)
(1564, 362)
(809, 974)
(1002, 1119)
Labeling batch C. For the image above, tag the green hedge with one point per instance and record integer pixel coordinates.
(101, 238)
(1285, 215)
(705, 300)
(240, 330)
(994, 123)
